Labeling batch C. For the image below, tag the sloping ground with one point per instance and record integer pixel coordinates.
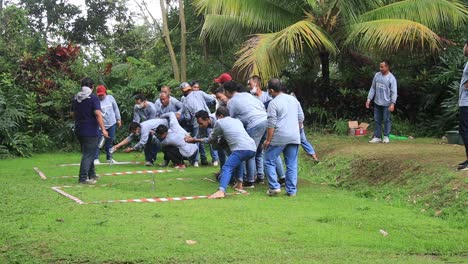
(421, 173)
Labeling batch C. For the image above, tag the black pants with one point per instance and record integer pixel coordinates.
(88, 150)
(463, 126)
(172, 153)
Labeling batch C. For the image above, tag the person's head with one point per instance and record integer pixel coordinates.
(465, 49)
(140, 101)
(219, 93)
(88, 82)
(230, 88)
(255, 85)
(195, 85)
(222, 112)
(161, 132)
(185, 88)
(101, 92)
(223, 78)
(203, 118)
(166, 89)
(135, 128)
(274, 86)
(164, 97)
(384, 67)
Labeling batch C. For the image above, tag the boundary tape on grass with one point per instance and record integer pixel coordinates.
(119, 173)
(140, 200)
(105, 163)
(41, 174)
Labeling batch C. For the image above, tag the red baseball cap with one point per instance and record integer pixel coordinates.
(225, 77)
(101, 90)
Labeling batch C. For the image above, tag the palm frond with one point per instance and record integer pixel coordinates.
(435, 14)
(266, 55)
(351, 9)
(392, 35)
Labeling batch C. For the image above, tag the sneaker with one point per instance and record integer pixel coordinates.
(164, 164)
(215, 163)
(260, 181)
(88, 181)
(96, 162)
(204, 162)
(195, 164)
(291, 194)
(463, 166)
(273, 192)
(180, 166)
(148, 163)
(386, 140)
(111, 161)
(282, 182)
(249, 185)
(375, 140)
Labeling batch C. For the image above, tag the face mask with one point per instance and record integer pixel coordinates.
(140, 106)
(254, 90)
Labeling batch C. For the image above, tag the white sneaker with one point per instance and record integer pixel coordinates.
(215, 163)
(111, 161)
(273, 192)
(96, 162)
(386, 140)
(195, 164)
(91, 181)
(375, 140)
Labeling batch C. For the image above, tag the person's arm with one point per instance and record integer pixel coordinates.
(300, 114)
(178, 105)
(393, 94)
(208, 98)
(124, 142)
(151, 111)
(136, 115)
(215, 133)
(271, 124)
(117, 112)
(232, 108)
(371, 94)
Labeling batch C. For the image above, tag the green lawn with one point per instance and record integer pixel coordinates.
(323, 224)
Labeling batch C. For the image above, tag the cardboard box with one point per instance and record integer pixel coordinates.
(356, 129)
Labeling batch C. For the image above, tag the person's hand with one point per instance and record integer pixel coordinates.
(119, 123)
(177, 116)
(266, 144)
(105, 133)
(368, 104)
(189, 139)
(127, 150)
(391, 108)
(466, 86)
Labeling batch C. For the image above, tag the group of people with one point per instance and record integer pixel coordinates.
(246, 133)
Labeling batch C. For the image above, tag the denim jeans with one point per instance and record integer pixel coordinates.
(194, 134)
(308, 148)
(382, 114)
(88, 150)
(257, 133)
(290, 153)
(108, 143)
(151, 149)
(233, 164)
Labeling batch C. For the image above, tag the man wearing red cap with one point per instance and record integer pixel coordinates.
(111, 115)
(223, 78)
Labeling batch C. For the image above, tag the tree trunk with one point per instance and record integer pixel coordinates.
(1, 5)
(325, 62)
(183, 42)
(167, 40)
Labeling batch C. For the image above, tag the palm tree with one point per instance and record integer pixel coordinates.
(281, 30)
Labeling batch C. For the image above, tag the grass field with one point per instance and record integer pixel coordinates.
(341, 205)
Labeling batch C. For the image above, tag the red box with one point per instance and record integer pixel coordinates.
(360, 132)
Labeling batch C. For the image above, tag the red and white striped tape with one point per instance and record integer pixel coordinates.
(105, 163)
(77, 200)
(119, 173)
(41, 174)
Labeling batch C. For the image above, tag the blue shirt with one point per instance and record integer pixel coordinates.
(86, 124)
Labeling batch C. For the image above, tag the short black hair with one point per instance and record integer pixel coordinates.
(255, 78)
(219, 90)
(275, 84)
(231, 86)
(222, 111)
(202, 114)
(387, 62)
(192, 83)
(133, 126)
(88, 82)
(141, 97)
(161, 129)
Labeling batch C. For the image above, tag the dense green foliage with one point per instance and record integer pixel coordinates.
(46, 47)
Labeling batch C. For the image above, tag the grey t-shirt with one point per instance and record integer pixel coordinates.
(284, 115)
(144, 114)
(146, 128)
(194, 102)
(383, 90)
(248, 109)
(176, 137)
(233, 131)
(463, 99)
(173, 106)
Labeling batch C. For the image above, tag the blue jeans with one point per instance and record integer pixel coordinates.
(290, 153)
(308, 148)
(108, 143)
(382, 114)
(279, 168)
(257, 133)
(233, 164)
(151, 149)
(88, 150)
(194, 134)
